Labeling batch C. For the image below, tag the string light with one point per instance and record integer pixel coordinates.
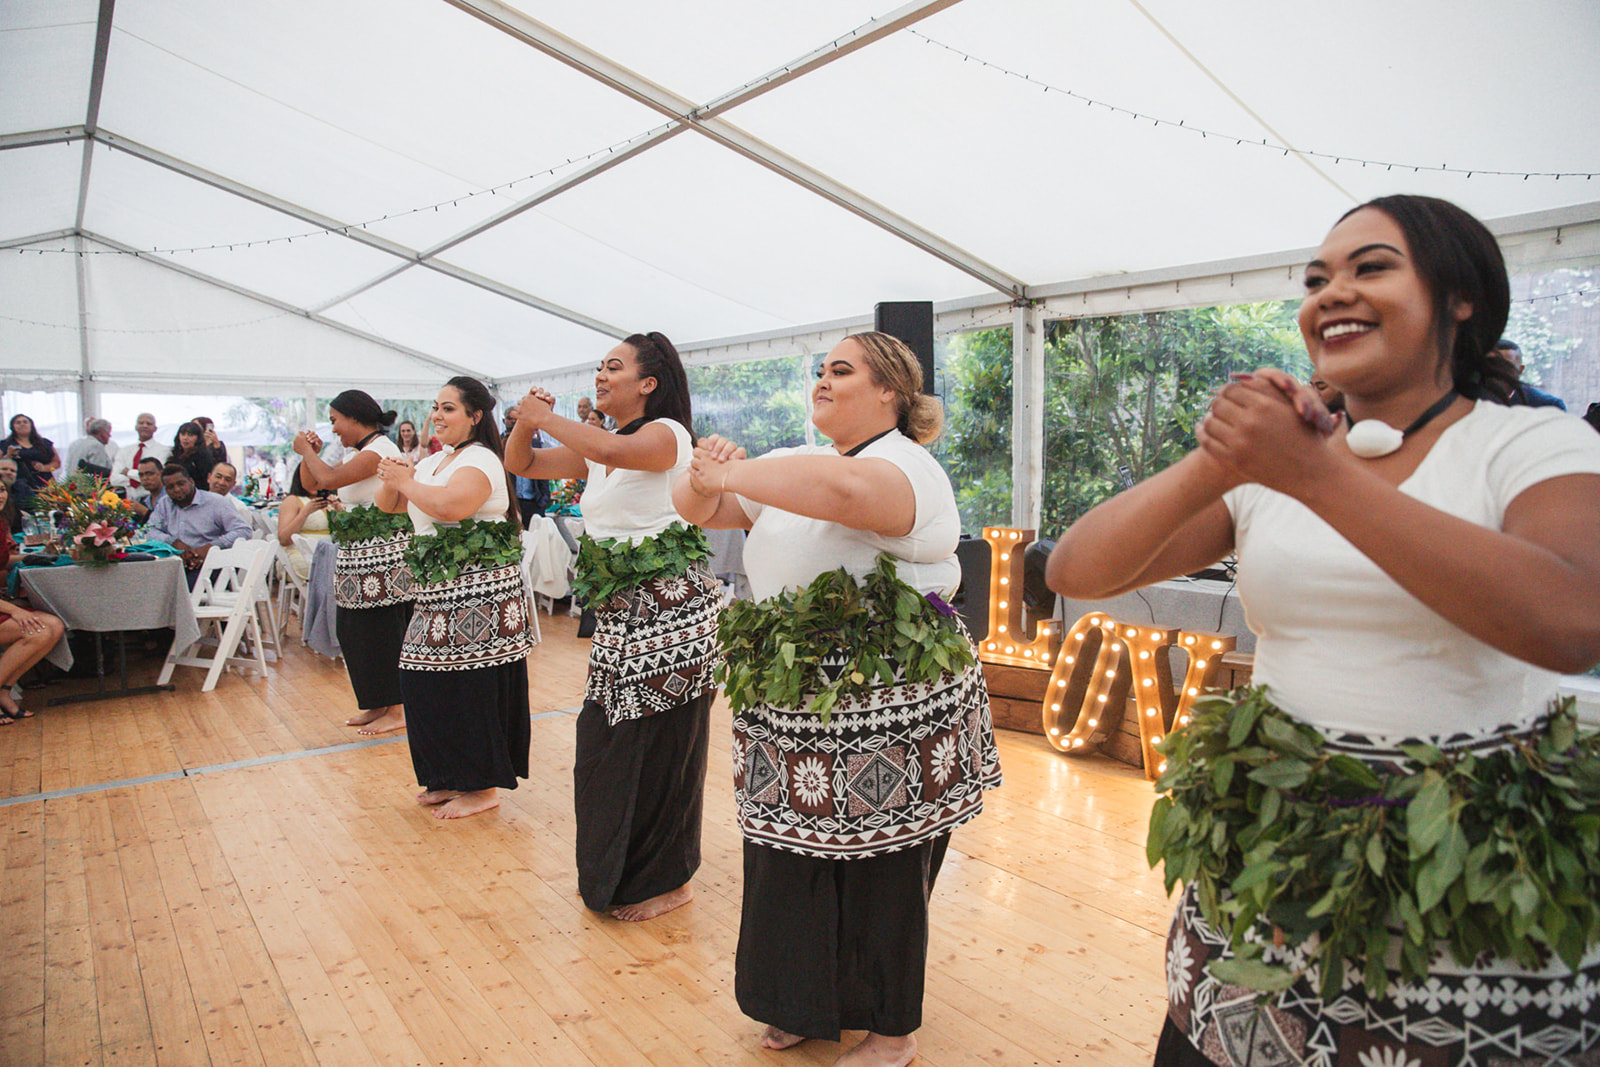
(1204, 133)
(1553, 296)
(344, 229)
(693, 116)
(108, 329)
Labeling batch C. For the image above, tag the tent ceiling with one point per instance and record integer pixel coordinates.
(504, 189)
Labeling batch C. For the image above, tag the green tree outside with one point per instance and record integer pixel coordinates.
(1123, 393)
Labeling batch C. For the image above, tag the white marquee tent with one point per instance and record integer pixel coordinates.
(304, 195)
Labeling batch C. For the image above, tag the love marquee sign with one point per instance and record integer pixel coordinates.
(1097, 665)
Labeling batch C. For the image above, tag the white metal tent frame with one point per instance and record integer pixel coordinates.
(1565, 235)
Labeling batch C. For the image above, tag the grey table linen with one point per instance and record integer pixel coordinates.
(145, 595)
(317, 623)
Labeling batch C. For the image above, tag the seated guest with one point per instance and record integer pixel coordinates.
(306, 513)
(224, 479)
(12, 509)
(193, 520)
(91, 453)
(9, 552)
(125, 466)
(27, 636)
(151, 488)
(190, 452)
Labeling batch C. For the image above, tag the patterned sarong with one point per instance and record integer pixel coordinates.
(1490, 1013)
(897, 767)
(655, 645)
(477, 619)
(372, 573)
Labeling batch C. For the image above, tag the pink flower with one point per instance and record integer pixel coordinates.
(103, 533)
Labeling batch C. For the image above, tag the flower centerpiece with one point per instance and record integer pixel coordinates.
(565, 496)
(98, 522)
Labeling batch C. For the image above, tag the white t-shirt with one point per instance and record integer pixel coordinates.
(634, 504)
(1342, 646)
(363, 493)
(787, 551)
(475, 456)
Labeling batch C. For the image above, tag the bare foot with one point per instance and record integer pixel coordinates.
(659, 905)
(772, 1037)
(877, 1050)
(362, 718)
(393, 719)
(429, 797)
(473, 803)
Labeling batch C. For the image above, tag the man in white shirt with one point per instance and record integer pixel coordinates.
(90, 449)
(125, 469)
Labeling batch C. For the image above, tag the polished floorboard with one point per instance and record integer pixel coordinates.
(235, 877)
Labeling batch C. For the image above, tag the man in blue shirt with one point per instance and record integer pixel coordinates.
(193, 520)
(1532, 395)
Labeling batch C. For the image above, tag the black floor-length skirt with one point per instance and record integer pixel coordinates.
(468, 729)
(827, 945)
(370, 640)
(638, 792)
(1176, 1050)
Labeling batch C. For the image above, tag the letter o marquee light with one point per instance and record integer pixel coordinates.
(1098, 665)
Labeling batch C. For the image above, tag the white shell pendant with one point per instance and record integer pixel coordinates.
(1370, 439)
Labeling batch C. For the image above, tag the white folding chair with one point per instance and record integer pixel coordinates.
(530, 546)
(230, 584)
(266, 604)
(291, 588)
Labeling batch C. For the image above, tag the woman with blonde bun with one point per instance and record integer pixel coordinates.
(847, 795)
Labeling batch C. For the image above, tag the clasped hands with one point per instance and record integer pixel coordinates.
(1266, 427)
(714, 457)
(535, 407)
(192, 555)
(307, 443)
(395, 473)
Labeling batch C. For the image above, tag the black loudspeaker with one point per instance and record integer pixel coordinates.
(912, 322)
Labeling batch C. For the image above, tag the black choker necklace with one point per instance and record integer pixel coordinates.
(1371, 438)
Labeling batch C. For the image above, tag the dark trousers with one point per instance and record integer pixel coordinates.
(831, 945)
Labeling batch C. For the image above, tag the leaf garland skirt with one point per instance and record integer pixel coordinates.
(655, 645)
(1491, 1012)
(893, 767)
(477, 619)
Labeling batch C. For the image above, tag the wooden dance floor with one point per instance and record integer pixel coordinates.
(231, 878)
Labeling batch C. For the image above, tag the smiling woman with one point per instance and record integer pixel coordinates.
(640, 766)
(464, 657)
(1422, 593)
(840, 862)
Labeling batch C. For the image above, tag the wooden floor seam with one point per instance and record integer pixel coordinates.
(214, 768)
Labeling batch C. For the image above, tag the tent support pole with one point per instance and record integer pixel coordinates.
(1027, 414)
(86, 387)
